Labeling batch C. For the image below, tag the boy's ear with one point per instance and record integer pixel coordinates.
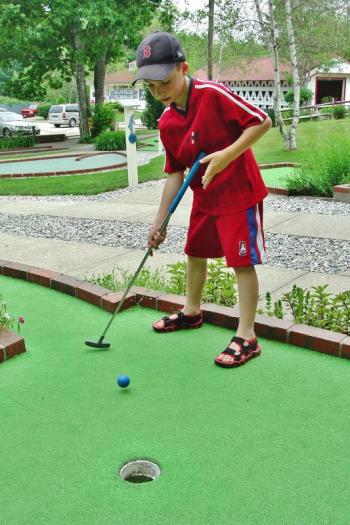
(184, 67)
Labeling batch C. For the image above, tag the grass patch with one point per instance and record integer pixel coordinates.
(89, 184)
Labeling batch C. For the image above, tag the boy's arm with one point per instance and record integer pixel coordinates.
(222, 158)
(171, 187)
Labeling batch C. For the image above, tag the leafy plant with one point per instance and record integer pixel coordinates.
(324, 169)
(7, 321)
(314, 307)
(305, 96)
(111, 141)
(153, 111)
(103, 118)
(17, 142)
(43, 110)
(220, 287)
(339, 111)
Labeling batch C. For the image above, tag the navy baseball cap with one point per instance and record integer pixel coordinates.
(157, 55)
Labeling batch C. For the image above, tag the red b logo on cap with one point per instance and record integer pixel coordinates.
(147, 52)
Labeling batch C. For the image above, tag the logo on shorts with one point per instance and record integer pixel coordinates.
(242, 248)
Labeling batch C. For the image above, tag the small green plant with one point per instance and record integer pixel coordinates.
(314, 307)
(60, 99)
(87, 139)
(7, 321)
(324, 169)
(339, 112)
(305, 96)
(111, 141)
(103, 118)
(220, 287)
(43, 110)
(17, 142)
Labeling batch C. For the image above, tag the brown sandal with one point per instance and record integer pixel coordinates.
(178, 321)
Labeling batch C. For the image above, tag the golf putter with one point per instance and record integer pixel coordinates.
(196, 165)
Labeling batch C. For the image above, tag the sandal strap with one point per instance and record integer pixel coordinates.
(180, 319)
(242, 348)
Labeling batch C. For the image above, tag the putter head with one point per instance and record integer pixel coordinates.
(97, 344)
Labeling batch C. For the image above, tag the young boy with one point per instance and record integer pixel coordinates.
(227, 211)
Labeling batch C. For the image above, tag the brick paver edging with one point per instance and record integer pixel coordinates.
(316, 339)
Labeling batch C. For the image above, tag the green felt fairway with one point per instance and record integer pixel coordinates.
(264, 444)
(276, 177)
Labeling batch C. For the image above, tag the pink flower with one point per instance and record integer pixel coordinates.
(21, 320)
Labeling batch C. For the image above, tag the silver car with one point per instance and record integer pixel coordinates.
(14, 124)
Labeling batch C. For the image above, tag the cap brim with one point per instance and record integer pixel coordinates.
(154, 72)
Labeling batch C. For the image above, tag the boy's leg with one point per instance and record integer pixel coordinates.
(190, 316)
(248, 295)
(195, 281)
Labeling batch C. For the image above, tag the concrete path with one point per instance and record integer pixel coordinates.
(81, 260)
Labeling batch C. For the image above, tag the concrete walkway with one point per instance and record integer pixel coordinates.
(81, 260)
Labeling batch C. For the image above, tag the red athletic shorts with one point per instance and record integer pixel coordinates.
(238, 237)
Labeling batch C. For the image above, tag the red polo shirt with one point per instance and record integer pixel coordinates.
(214, 118)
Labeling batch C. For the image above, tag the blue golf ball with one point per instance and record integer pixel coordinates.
(132, 138)
(123, 381)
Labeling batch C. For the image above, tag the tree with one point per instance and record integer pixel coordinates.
(269, 36)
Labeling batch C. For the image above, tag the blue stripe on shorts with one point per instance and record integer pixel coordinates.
(252, 235)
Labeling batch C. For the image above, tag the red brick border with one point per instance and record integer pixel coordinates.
(11, 344)
(316, 339)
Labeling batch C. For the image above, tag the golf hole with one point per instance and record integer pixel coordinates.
(139, 471)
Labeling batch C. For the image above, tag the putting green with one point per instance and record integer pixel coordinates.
(263, 444)
(276, 177)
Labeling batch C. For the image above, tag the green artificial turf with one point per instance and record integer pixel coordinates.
(264, 444)
(276, 177)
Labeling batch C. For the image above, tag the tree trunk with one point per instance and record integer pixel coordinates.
(210, 38)
(269, 34)
(84, 106)
(296, 79)
(83, 99)
(219, 62)
(99, 79)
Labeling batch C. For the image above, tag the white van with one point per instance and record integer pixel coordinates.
(64, 114)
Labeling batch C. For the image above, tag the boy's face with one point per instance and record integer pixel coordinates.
(172, 88)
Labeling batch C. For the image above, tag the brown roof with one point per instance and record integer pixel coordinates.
(246, 69)
(123, 76)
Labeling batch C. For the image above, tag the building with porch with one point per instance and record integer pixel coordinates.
(252, 79)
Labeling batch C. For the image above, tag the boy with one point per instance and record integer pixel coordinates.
(227, 211)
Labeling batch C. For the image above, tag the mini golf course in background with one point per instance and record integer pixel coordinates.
(262, 444)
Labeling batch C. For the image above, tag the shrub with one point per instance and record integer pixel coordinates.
(60, 99)
(314, 307)
(324, 169)
(111, 141)
(43, 110)
(87, 139)
(272, 116)
(339, 111)
(17, 142)
(305, 96)
(153, 111)
(103, 118)
(117, 106)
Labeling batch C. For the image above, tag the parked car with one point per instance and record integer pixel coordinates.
(14, 124)
(64, 114)
(30, 111)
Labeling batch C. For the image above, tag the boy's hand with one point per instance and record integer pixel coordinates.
(217, 162)
(155, 238)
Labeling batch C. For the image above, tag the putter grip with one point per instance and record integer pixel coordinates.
(186, 182)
